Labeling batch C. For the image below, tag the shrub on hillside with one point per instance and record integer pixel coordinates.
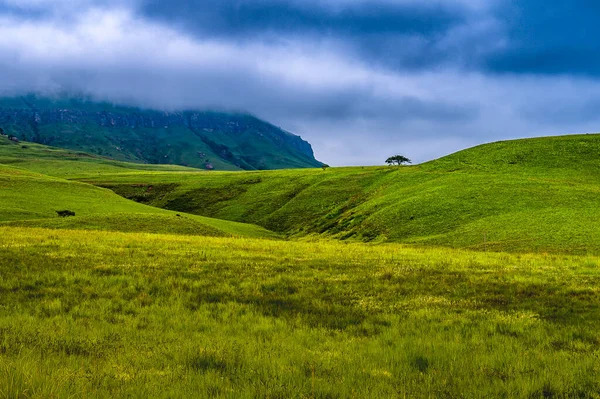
(65, 213)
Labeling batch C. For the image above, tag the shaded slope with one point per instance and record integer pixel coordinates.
(222, 140)
(526, 195)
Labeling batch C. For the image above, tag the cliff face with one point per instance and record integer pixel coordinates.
(225, 141)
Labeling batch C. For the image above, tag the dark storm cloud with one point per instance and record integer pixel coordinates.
(394, 34)
(557, 37)
(236, 88)
(250, 19)
(357, 78)
(537, 36)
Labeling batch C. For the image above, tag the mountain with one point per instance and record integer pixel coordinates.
(207, 140)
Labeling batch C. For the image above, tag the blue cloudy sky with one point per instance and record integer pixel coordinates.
(359, 79)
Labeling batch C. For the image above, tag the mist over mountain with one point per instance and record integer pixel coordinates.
(361, 80)
(201, 139)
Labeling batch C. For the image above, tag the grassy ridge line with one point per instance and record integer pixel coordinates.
(32, 199)
(97, 314)
(538, 195)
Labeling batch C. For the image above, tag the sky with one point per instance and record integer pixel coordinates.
(359, 79)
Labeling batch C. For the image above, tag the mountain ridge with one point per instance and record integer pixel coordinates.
(201, 139)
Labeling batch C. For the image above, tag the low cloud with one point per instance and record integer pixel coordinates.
(354, 102)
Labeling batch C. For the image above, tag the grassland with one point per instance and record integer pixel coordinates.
(99, 314)
(32, 199)
(540, 195)
(131, 300)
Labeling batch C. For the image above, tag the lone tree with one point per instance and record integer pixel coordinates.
(397, 160)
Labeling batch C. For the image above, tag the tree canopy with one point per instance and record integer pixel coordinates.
(397, 160)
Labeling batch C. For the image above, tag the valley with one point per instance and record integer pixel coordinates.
(474, 275)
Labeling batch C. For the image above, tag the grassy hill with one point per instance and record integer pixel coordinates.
(527, 195)
(211, 309)
(222, 140)
(523, 195)
(31, 199)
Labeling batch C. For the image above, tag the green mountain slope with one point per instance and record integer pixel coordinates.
(198, 139)
(526, 195)
(32, 200)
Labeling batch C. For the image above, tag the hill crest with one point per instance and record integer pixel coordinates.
(525, 195)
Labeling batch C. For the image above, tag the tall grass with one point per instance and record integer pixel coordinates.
(103, 314)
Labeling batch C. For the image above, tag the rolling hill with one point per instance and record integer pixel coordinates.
(538, 194)
(30, 199)
(210, 308)
(206, 140)
(525, 195)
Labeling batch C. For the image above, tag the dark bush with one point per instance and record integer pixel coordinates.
(65, 213)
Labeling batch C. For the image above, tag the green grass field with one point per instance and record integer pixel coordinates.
(356, 282)
(31, 199)
(98, 314)
(540, 195)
